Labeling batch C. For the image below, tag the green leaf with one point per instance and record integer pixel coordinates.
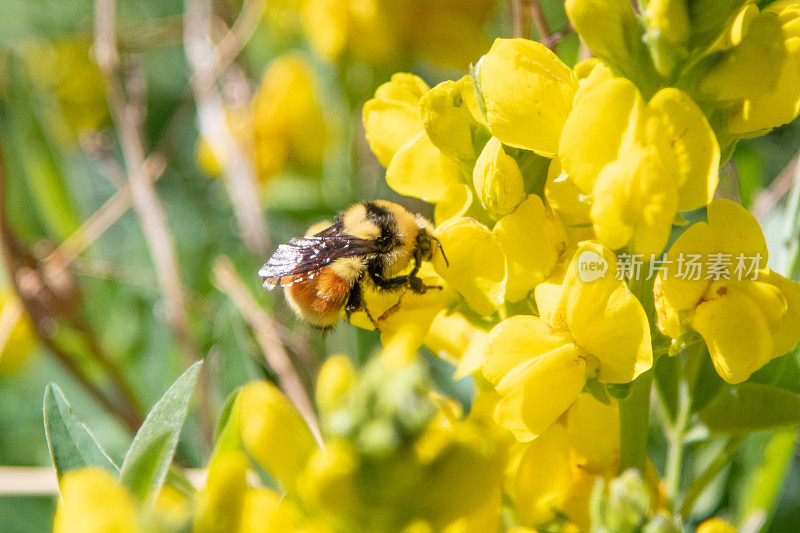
(765, 485)
(751, 407)
(148, 459)
(72, 446)
(39, 159)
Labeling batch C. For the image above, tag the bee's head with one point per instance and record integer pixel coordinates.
(425, 243)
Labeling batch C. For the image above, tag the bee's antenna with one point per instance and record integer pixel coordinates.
(439, 244)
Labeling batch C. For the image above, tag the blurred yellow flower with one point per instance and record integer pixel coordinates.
(746, 313)
(715, 525)
(65, 67)
(283, 126)
(92, 501)
(17, 337)
(586, 329)
(273, 432)
(383, 32)
(218, 505)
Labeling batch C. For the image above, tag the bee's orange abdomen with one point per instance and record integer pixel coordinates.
(319, 299)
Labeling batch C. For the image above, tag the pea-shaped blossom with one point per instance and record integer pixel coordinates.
(747, 314)
(590, 326)
(640, 161)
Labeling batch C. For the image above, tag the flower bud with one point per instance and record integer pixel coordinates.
(219, 503)
(449, 123)
(497, 179)
(329, 480)
(273, 432)
(336, 377)
(92, 501)
(667, 23)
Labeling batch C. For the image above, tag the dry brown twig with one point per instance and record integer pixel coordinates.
(227, 281)
(127, 115)
(207, 64)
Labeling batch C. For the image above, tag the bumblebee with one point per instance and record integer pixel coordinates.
(374, 242)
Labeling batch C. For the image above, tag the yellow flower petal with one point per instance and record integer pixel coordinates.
(786, 333)
(530, 255)
(470, 100)
(419, 169)
(528, 94)
(536, 392)
(455, 202)
(634, 201)
(272, 431)
(715, 525)
(392, 117)
(601, 126)
(449, 124)
(741, 72)
(604, 25)
(405, 309)
(452, 337)
(736, 230)
(219, 504)
(516, 340)
(605, 318)
(477, 269)
(264, 511)
(497, 179)
(687, 144)
(92, 501)
(594, 431)
(736, 332)
(544, 475)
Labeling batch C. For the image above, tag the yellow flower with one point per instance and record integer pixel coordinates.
(640, 162)
(477, 268)
(283, 124)
(497, 179)
(329, 482)
(592, 328)
(604, 25)
(218, 506)
(66, 68)
(335, 378)
(449, 121)
(273, 433)
(746, 313)
(17, 337)
(264, 511)
(287, 112)
(715, 525)
(527, 91)
(557, 471)
(779, 103)
(453, 338)
(92, 501)
(531, 256)
(406, 310)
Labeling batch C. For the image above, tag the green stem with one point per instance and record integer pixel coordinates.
(717, 465)
(634, 418)
(676, 435)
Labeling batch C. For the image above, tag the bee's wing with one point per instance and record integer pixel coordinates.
(306, 255)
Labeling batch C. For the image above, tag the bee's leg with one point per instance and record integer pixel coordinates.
(355, 302)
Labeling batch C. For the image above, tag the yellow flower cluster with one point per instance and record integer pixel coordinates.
(282, 127)
(541, 177)
(395, 458)
(381, 31)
